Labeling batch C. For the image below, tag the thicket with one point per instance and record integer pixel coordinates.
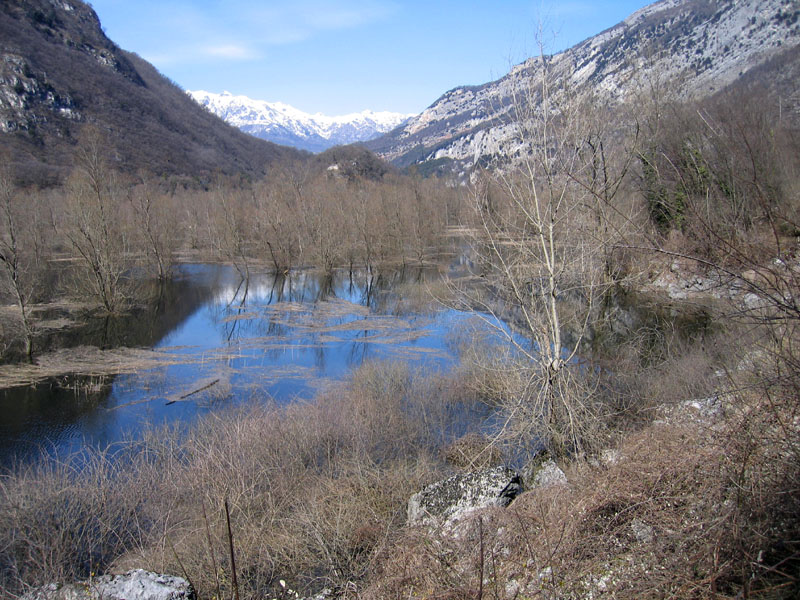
(704, 195)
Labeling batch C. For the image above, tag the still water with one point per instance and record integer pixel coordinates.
(223, 341)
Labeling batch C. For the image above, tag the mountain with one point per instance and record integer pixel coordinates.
(59, 72)
(283, 124)
(694, 47)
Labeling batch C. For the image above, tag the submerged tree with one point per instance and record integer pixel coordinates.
(18, 256)
(156, 225)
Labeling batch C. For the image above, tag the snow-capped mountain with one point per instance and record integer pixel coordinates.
(694, 48)
(284, 124)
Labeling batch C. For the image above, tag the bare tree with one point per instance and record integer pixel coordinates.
(17, 257)
(277, 221)
(94, 223)
(234, 228)
(156, 225)
(540, 242)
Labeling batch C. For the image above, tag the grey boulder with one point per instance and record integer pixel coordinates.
(450, 499)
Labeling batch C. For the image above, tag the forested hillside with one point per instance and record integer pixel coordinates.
(59, 72)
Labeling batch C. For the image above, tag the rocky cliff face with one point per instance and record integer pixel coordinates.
(694, 47)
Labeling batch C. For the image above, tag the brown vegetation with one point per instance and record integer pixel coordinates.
(686, 510)
(314, 490)
(114, 231)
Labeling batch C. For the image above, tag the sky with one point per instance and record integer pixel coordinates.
(343, 56)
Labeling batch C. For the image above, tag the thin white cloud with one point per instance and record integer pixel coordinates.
(243, 30)
(345, 15)
(571, 9)
(230, 51)
(288, 22)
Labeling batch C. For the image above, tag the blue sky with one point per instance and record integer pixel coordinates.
(341, 56)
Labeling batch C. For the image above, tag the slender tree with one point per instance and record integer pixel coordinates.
(541, 246)
(19, 263)
(94, 223)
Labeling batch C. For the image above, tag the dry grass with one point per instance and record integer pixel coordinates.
(693, 507)
(315, 490)
(88, 361)
(689, 510)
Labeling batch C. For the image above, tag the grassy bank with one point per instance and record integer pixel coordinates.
(315, 491)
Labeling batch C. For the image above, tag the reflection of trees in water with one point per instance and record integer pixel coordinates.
(359, 348)
(36, 417)
(280, 312)
(235, 309)
(167, 305)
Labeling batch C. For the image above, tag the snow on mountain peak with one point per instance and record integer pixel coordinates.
(284, 124)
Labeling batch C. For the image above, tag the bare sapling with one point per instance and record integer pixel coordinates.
(542, 241)
(94, 224)
(18, 257)
(156, 224)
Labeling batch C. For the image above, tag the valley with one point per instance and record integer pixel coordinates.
(539, 340)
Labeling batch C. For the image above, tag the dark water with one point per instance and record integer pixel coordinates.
(224, 341)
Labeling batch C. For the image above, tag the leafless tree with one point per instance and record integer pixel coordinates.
(95, 224)
(278, 223)
(541, 247)
(234, 228)
(156, 225)
(17, 256)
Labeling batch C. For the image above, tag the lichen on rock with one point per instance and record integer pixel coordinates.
(450, 499)
(137, 584)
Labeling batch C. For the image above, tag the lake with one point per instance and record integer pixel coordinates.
(218, 340)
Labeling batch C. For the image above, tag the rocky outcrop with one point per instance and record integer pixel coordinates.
(447, 501)
(133, 585)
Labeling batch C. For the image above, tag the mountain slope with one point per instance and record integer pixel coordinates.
(59, 72)
(283, 124)
(697, 47)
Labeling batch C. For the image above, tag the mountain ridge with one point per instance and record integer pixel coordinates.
(697, 46)
(283, 124)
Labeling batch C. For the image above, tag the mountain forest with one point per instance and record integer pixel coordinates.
(606, 238)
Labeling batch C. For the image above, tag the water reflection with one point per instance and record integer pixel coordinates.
(225, 340)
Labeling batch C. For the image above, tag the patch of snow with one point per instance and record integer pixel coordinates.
(282, 123)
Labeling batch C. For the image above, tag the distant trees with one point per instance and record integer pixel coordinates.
(118, 229)
(293, 218)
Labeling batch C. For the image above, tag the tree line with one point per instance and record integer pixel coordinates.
(112, 229)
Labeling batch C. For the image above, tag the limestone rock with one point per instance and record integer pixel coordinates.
(448, 500)
(548, 473)
(133, 585)
(641, 531)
